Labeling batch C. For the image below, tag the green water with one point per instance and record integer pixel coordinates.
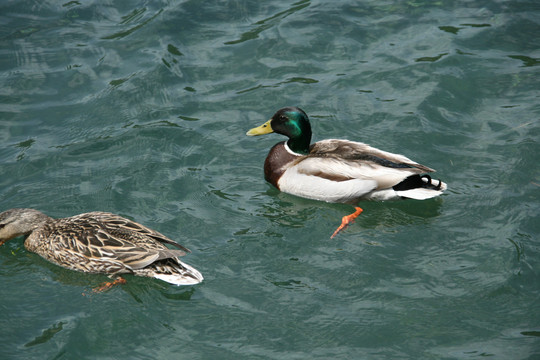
(141, 108)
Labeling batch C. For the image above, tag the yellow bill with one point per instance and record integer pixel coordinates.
(261, 130)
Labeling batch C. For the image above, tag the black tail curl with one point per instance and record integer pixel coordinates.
(416, 182)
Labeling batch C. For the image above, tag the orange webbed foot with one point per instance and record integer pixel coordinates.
(346, 220)
(108, 285)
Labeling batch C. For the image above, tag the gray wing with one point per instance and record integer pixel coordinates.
(359, 152)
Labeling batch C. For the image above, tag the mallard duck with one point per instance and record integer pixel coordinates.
(99, 242)
(340, 171)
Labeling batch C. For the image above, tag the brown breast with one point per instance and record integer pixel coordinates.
(276, 161)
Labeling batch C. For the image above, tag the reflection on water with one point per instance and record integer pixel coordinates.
(46, 335)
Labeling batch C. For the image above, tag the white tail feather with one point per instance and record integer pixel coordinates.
(419, 194)
(189, 276)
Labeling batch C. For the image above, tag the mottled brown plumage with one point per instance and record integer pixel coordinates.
(99, 242)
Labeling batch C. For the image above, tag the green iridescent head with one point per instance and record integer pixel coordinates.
(291, 122)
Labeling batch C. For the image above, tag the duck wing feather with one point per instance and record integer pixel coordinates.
(93, 237)
(113, 222)
(360, 152)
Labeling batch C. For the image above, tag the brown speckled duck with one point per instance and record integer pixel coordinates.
(339, 171)
(99, 242)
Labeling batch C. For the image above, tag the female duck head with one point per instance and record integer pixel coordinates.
(18, 222)
(291, 122)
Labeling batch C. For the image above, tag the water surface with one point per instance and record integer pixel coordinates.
(141, 108)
